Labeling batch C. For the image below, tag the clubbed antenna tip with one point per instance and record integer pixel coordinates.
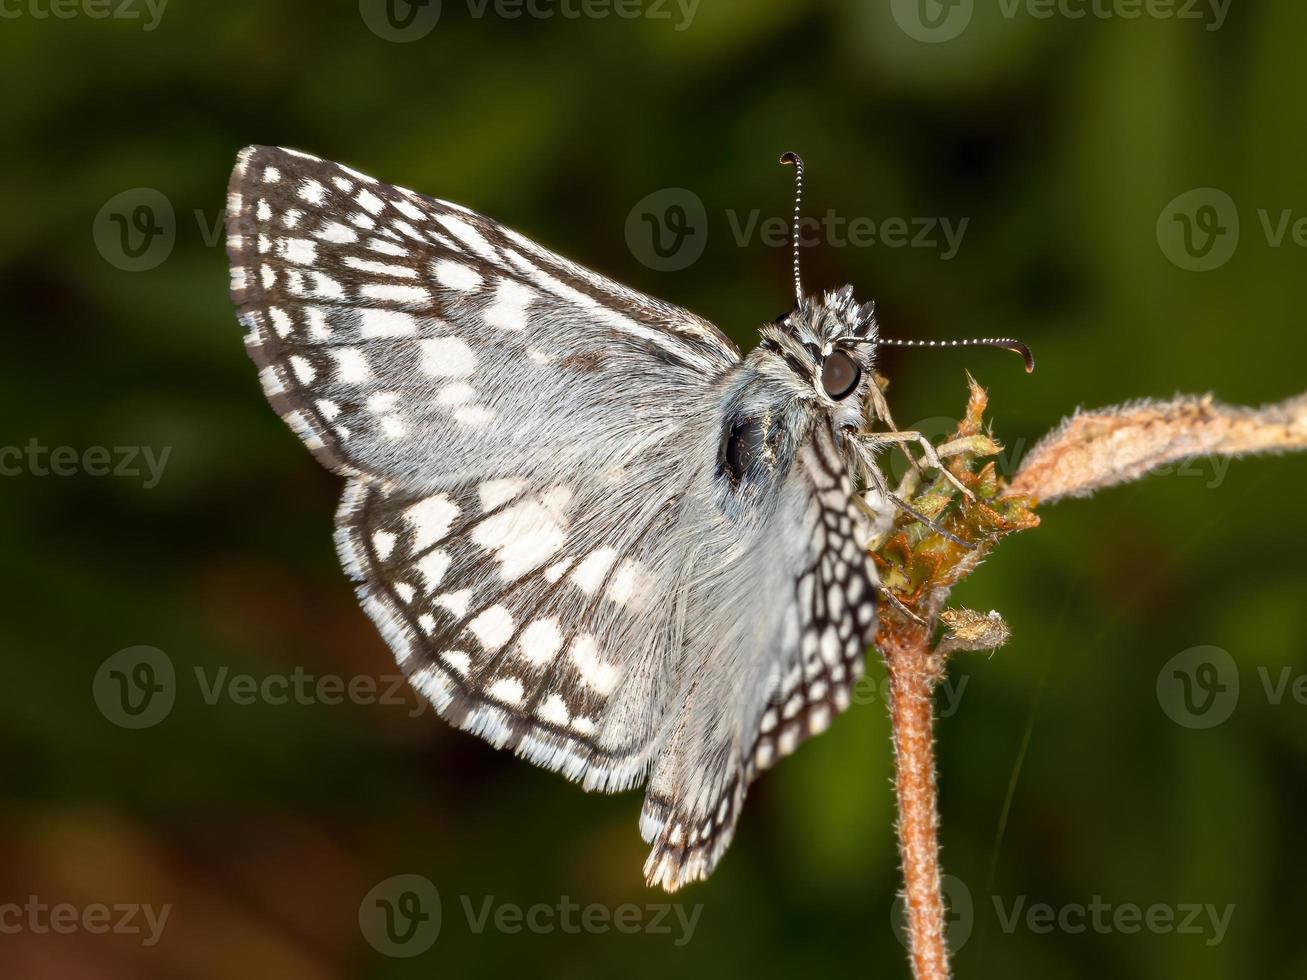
(796, 161)
(1006, 343)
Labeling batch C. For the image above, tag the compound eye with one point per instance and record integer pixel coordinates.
(839, 375)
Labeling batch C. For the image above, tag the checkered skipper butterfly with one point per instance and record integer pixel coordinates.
(590, 529)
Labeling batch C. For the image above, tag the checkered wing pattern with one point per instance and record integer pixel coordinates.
(529, 451)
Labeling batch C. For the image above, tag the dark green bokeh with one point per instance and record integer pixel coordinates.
(1061, 140)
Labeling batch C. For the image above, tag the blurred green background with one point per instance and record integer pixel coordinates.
(1062, 141)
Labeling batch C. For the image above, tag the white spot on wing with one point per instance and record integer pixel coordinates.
(541, 640)
(469, 236)
(630, 584)
(455, 275)
(457, 393)
(492, 627)
(496, 492)
(337, 233)
(387, 323)
(508, 690)
(553, 711)
(301, 251)
(312, 191)
(370, 202)
(383, 542)
(431, 518)
(523, 537)
(394, 293)
(433, 567)
(590, 573)
(455, 602)
(351, 365)
(596, 673)
(457, 659)
(447, 357)
(474, 416)
(508, 311)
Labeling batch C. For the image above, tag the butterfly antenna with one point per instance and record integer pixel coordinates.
(1007, 343)
(797, 161)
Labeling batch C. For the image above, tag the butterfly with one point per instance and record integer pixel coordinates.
(590, 528)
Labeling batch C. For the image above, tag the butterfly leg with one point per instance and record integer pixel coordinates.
(880, 410)
(865, 454)
(927, 450)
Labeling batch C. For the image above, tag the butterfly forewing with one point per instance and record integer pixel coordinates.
(531, 450)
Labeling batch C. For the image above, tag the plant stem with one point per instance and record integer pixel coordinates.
(914, 669)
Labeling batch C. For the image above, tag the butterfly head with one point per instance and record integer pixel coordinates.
(826, 346)
(814, 364)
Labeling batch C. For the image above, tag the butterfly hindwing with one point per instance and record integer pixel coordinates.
(811, 606)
